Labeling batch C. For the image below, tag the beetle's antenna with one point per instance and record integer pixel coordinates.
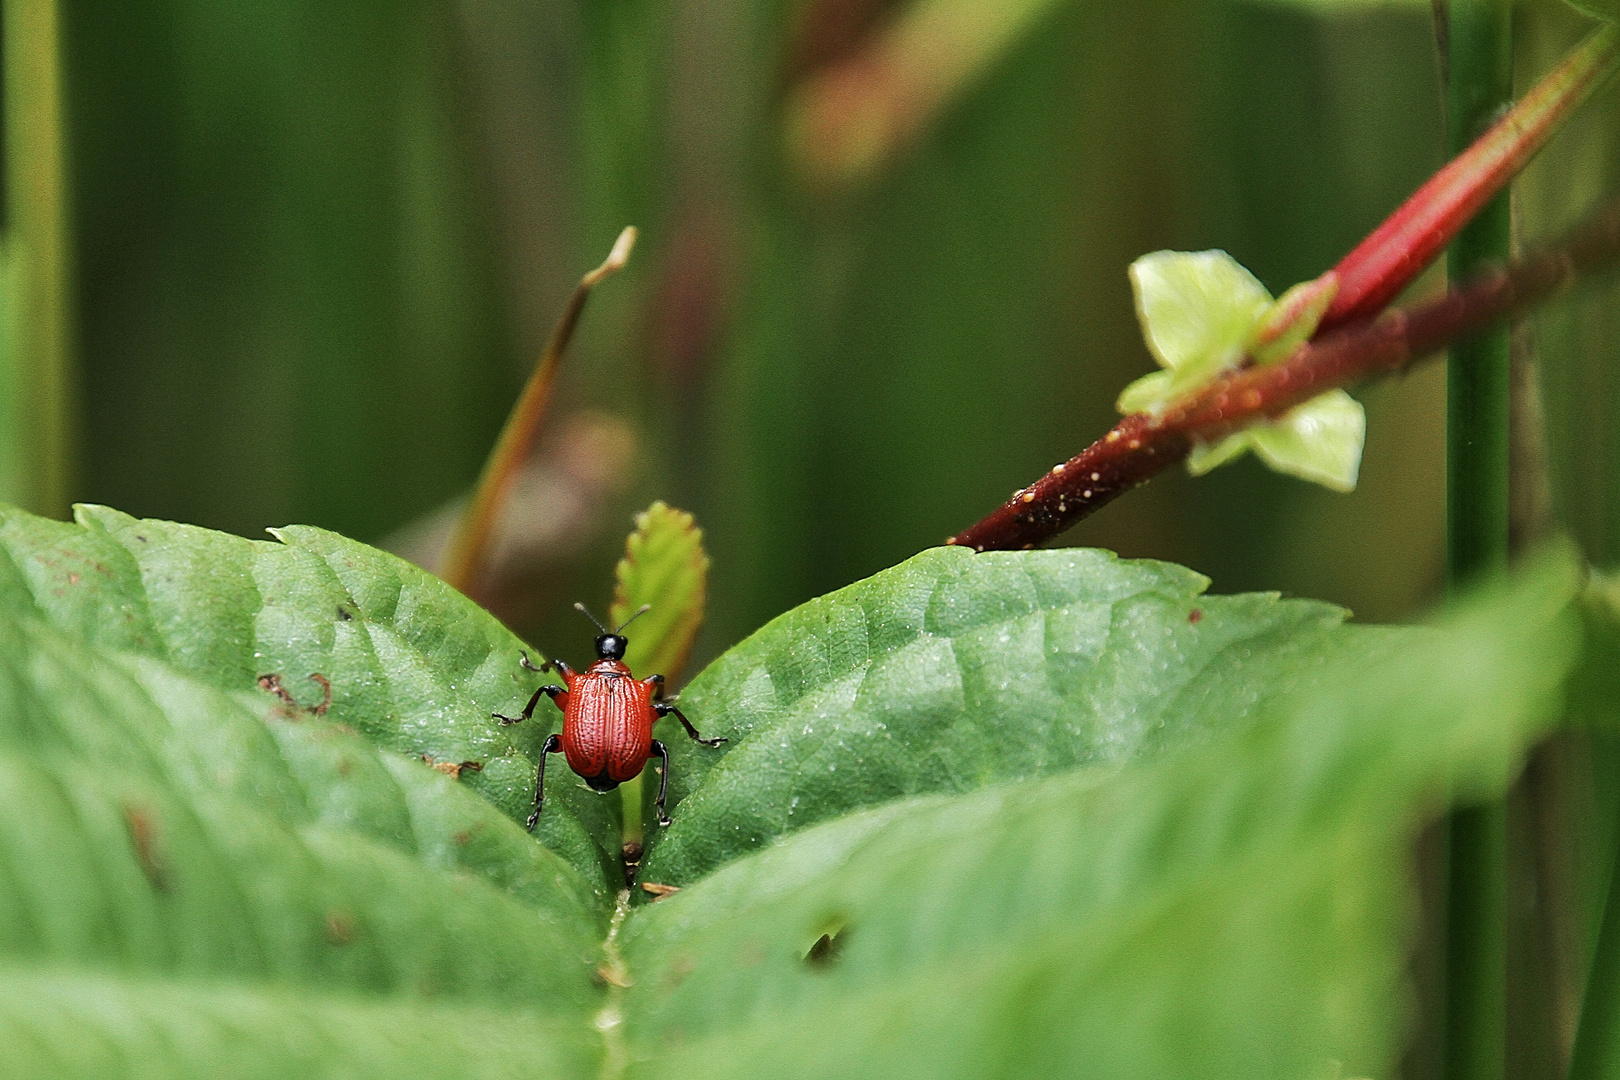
(581, 609)
(640, 611)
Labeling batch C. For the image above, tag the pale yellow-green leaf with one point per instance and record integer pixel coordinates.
(1208, 456)
(1292, 320)
(1149, 392)
(1196, 308)
(664, 565)
(1202, 313)
(1319, 441)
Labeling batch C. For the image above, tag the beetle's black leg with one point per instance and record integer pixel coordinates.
(664, 708)
(528, 710)
(552, 745)
(663, 782)
(550, 665)
(657, 688)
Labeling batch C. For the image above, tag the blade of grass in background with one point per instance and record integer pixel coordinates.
(291, 304)
(37, 372)
(1480, 83)
(1578, 348)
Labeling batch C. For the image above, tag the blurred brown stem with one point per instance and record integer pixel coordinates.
(1142, 445)
(469, 549)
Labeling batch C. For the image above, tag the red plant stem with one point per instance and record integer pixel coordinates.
(1398, 250)
(1142, 445)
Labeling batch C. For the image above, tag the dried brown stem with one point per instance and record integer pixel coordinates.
(469, 548)
(1142, 445)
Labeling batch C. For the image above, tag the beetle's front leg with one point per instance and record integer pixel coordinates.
(552, 745)
(528, 710)
(664, 708)
(559, 666)
(663, 783)
(553, 691)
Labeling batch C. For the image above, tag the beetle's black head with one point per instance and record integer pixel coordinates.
(611, 646)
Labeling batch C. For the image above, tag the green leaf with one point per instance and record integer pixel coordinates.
(67, 1024)
(208, 883)
(133, 753)
(1290, 322)
(1319, 441)
(414, 666)
(1197, 311)
(1239, 910)
(1151, 392)
(664, 566)
(954, 670)
(1202, 313)
(174, 730)
(1166, 831)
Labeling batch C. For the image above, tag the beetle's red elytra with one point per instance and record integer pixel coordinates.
(608, 716)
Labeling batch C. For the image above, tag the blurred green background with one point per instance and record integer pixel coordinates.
(310, 251)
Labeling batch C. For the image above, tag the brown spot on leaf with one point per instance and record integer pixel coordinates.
(1195, 616)
(271, 684)
(612, 975)
(453, 769)
(326, 694)
(679, 968)
(143, 836)
(340, 927)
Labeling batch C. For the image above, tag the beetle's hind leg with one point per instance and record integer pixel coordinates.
(665, 708)
(663, 783)
(552, 745)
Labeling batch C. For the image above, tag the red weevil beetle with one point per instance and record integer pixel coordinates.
(608, 716)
